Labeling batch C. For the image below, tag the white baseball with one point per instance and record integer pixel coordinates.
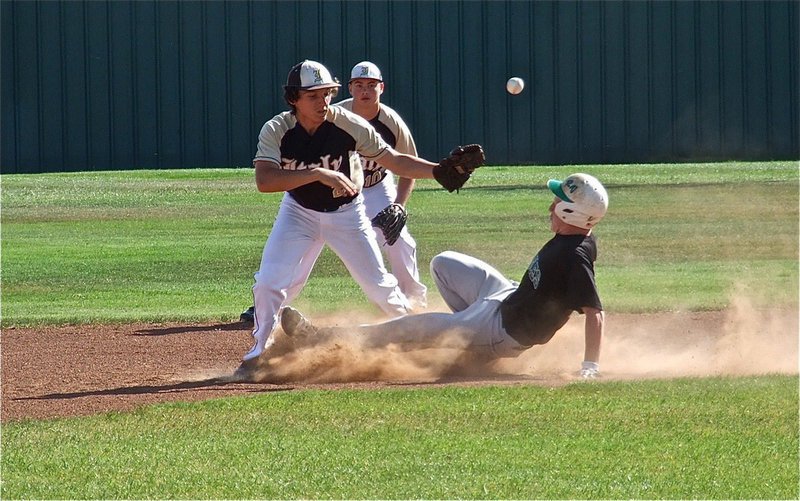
(515, 85)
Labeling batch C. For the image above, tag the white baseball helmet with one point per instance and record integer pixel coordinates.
(584, 200)
(310, 75)
(366, 69)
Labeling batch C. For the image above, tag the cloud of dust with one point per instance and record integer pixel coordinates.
(346, 359)
(741, 340)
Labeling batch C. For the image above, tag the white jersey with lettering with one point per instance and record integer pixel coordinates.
(313, 215)
(380, 191)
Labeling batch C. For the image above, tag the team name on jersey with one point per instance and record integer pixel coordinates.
(373, 172)
(534, 273)
(325, 162)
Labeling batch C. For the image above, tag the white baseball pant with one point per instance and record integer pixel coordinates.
(292, 248)
(402, 256)
(473, 290)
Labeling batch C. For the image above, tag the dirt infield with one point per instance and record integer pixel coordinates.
(81, 370)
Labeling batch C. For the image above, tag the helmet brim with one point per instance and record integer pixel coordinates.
(322, 86)
(556, 187)
(365, 78)
(313, 87)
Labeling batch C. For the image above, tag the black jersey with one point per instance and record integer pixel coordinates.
(383, 130)
(335, 145)
(559, 280)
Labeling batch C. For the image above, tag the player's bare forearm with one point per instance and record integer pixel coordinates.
(404, 188)
(595, 320)
(271, 179)
(406, 165)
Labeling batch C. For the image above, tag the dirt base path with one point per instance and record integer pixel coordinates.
(81, 370)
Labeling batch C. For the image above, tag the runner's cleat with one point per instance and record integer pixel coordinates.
(295, 325)
(246, 370)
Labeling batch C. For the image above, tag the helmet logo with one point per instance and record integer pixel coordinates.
(571, 186)
(586, 197)
(364, 71)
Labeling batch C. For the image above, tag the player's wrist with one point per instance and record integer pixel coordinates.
(316, 174)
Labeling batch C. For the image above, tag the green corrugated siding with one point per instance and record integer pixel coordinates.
(141, 84)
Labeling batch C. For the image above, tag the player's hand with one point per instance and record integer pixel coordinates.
(342, 185)
(589, 370)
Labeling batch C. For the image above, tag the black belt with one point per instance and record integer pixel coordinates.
(323, 209)
(331, 209)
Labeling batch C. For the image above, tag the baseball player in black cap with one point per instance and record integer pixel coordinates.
(313, 153)
(380, 190)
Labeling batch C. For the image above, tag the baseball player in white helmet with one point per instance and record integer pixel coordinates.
(494, 316)
(313, 153)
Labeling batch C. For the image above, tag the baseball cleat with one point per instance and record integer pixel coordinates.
(295, 325)
(248, 316)
(246, 370)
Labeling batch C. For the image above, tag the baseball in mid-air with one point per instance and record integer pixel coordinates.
(515, 85)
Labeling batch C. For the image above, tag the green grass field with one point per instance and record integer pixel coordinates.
(683, 439)
(182, 246)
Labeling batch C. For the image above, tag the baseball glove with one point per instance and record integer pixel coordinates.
(391, 221)
(454, 170)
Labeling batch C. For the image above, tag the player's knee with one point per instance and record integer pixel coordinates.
(441, 261)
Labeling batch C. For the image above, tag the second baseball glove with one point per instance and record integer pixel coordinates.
(391, 221)
(454, 170)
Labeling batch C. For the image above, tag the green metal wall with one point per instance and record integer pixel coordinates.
(101, 85)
